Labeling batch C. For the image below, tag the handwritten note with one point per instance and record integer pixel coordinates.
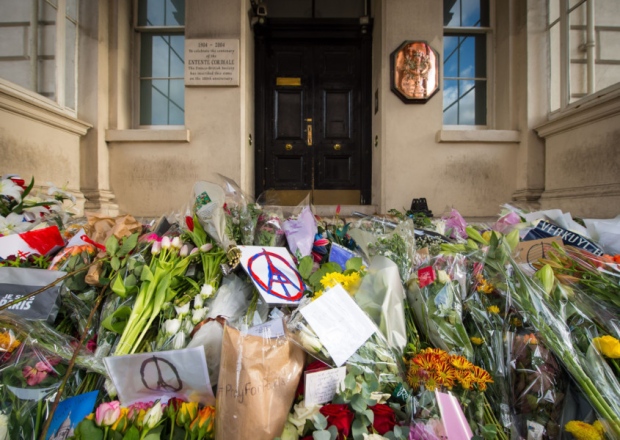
(321, 387)
(340, 324)
(270, 329)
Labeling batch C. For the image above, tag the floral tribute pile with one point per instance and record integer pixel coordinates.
(232, 319)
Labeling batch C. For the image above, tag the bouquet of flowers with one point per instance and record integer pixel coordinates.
(436, 297)
(176, 419)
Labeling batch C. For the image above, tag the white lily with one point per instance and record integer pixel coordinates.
(198, 301)
(10, 189)
(178, 342)
(13, 224)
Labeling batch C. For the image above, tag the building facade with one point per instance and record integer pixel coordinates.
(97, 96)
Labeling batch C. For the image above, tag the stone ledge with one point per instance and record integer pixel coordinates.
(148, 135)
(479, 136)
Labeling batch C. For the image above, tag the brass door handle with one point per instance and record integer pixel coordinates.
(337, 147)
(309, 135)
(288, 147)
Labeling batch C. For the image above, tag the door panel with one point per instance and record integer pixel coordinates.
(313, 117)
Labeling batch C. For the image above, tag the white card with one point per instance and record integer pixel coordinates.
(339, 323)
(321, 386)
(270, 329)
(274, 273)
(161, 375)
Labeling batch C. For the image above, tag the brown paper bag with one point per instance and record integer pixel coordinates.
(256, 387)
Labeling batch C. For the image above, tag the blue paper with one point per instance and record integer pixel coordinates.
(69, 413)
(340, 254)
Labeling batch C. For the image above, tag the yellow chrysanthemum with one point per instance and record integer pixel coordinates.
(517, 322)
(317, 294)
(599, 427)
(441, 355)
(483, 285)
(460, 363)
(493, 309)
(331, 279)
(444, 375)
(465, 378)
(476, 340)
(8, 342)
(608, 346)
(425, 361)
(481, 377)
(582, 431)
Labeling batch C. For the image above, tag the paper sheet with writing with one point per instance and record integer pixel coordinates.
(339, 323)
(161, 375)
(321, 386)
(269, 329)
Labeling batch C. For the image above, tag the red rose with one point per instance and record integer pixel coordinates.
(385, 419)
(339, 416)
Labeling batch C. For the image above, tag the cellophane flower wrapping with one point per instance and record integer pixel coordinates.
(396, 241)
(538, 387)
(381, 295)
(241, 213)
(269, 231)
(300, 230)
(208, 205)
(426, 421)
(436, 298)
(375, 356)
(486, 318)
(33, 362)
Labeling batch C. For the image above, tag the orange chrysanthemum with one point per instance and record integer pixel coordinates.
(481, 377)
(445, 375)
(460, 362)
(465, 378)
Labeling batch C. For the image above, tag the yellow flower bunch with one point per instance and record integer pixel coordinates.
(608, 346)
(434, 368)
(476, 340)
(493, 309)
(350, 282)
(584, 431)
(483, 285)
(8, 342)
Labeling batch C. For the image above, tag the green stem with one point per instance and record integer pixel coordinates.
(37, 424)
(172, 429)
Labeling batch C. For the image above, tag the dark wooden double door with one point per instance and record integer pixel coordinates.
(311, 136)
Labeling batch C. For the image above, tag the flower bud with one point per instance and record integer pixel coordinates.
(184, 252)
(176, 243)
(178, 342)
(182, 310)
(172, 326)
(156, 248)
(165, 243)
(206, 247)
(198, 301)
(194, 251)
(198, 315)
(153, 415)
(206, 291)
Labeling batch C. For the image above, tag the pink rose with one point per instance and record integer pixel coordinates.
(108, 413)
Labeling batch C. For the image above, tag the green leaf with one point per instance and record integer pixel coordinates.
(129, 243)
(115, 263)
(349, 381)
(305, 266)
(321, 435)
(118, 286)
(146, 274)
(87, 429)
(111, 245)
(132, 434)
(358, 403)
(320, 422)
(333, 431)
(130, 281)
(354, 263)
(370, 416)
(153, 434)
(358, 429)
(117, 321)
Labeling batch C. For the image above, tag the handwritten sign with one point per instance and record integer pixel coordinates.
(274, 273)
(211, 62)
(161, 375)
(269, 329)
(321, 386)
(339, 323)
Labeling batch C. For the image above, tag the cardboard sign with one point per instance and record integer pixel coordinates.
(69, 413)
(544, 230)
(340, 324)
(321, 386)
(16, 282)
(161, 375)
(528, 252)
(274, 273)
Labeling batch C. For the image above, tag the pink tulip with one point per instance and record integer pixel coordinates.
(108, 413)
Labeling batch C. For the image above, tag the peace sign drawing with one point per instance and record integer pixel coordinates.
(274, 274)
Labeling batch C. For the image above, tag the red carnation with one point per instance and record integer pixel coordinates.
(385, 419)
(339, 416)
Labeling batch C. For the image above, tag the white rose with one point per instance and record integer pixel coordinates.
(198, 315)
